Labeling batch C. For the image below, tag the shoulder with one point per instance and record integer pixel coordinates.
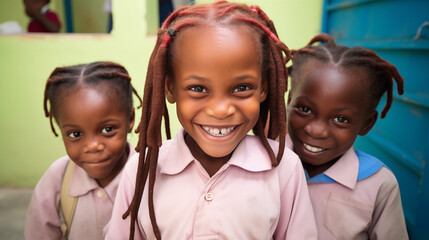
(386, 179)
(290, 165)
(375, 169)
(49, 185)
(56, 170)
(383, 181)
(130, 170)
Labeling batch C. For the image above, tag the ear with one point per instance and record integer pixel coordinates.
(169, 89)
(264, 90)
(369, 123)
(131, 120)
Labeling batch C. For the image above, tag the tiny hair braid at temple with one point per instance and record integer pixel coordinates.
(275, 56)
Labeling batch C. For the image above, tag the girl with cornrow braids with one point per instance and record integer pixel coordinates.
(223, 66)
(93, 107)
(333, 99)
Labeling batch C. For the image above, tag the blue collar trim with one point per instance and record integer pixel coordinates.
(368, 165)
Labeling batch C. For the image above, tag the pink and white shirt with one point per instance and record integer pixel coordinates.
(246, 199)
(93, 209)
(356, 198)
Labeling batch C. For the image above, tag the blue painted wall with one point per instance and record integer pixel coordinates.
(398, 30)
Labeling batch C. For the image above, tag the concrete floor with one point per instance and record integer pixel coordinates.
(13, 210)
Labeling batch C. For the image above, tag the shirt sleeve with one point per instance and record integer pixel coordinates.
(43, 220)
(296, 216)
(119, 228)
(388, 217)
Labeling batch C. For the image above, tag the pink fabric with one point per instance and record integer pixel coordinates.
(246, 199)
(93, 209)
(351, 209)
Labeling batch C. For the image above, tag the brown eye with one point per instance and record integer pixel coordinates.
(198, 89)
(304, 109)
(107, 130)
(241, 88)
(341, 120)
(75, 134)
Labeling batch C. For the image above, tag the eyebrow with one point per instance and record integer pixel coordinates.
(198, 78)
(195, 77)
(101, 123)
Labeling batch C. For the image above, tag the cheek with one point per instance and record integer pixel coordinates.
(251, 108)
(72, 150)
(293, 120)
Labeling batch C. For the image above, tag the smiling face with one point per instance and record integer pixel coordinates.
(217, 86)
(328, 109)
(94, 130)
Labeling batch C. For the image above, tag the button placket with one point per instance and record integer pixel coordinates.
(209, 196)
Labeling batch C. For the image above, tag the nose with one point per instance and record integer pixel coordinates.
(93, 145)
(221, 108)
(317, 129)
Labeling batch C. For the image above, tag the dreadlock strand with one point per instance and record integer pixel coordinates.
(167, 122)
(388, 100)
(264, 141)
(52, 125)
(274, 99)
(152, 177)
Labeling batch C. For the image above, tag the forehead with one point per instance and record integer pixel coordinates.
(330, 82)
(76, 101)
(104, 90)
(209, 42)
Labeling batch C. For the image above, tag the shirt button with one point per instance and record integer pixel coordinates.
(209, 197)
(100, 193)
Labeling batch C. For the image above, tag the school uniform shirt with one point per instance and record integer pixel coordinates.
(246, 199)
(93, 209)
(356, 198)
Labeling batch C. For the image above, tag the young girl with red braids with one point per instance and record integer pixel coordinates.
(93, 107)
(333, 99)
(224, 67)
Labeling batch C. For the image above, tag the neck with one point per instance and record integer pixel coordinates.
(314, 170)
(209, 163)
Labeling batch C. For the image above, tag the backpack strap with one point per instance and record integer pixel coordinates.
(67, 202)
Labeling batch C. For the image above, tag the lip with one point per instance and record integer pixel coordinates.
(103, 161)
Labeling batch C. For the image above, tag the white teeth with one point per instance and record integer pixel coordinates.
(312, 149)
(218, 132)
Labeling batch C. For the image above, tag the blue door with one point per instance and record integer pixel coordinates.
(398, 30)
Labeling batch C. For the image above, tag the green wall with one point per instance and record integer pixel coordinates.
(27, 145)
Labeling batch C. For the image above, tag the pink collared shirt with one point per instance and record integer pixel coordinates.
(246, 199)
(370, 208)
(93, 209)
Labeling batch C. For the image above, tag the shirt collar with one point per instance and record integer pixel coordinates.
(250, 155)
(345, 171)
(45, 8)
